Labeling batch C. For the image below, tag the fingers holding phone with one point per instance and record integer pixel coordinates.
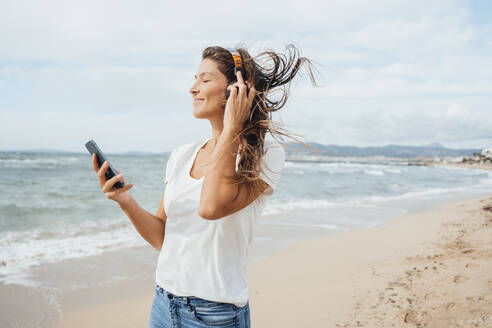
(111, 187)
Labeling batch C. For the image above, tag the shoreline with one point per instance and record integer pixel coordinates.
(428, 268)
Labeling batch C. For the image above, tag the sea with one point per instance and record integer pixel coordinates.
(52, 207)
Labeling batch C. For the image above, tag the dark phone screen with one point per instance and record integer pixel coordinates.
(93, 148)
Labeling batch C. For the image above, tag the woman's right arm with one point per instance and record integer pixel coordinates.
(151, 227)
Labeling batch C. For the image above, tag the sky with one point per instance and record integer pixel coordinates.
(119, 72)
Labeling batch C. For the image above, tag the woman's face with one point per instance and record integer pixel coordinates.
(208, 91)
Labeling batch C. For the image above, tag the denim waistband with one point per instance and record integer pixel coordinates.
(177, 298)
(192, 300)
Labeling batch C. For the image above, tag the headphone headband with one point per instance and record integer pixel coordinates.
(238, 66)
(238, 62)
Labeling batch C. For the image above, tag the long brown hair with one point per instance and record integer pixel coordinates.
(266, 80)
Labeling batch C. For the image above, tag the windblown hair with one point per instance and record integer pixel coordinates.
(266, 80)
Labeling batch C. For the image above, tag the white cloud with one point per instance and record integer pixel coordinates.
(393, 71)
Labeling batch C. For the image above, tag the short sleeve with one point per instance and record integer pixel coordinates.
(170, 166)
(272, 165)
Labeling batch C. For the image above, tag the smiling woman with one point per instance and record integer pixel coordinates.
(215, 191)
(216, 72)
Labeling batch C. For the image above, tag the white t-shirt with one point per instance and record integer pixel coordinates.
(207, 258)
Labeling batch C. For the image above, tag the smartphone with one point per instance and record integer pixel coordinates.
(93, 148)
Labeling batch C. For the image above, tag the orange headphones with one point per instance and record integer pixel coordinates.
(238, 66)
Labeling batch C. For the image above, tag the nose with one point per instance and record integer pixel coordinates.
(193, 90)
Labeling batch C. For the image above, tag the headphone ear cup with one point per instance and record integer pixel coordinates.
(228, 92)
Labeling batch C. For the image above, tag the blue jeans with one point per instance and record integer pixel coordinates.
(171, 311)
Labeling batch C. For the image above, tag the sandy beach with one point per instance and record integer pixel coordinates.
(429, 269)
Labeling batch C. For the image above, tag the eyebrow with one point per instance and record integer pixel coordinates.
(205, 73)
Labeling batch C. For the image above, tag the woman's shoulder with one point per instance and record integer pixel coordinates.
(184, 149)
(185, 146)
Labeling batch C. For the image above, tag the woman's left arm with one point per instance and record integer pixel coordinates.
(219, 197)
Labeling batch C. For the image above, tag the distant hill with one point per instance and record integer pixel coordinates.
(395, 151)
(431, 150)
(55, 151)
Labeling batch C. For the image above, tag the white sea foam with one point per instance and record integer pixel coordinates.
(292, 204)
(288, 205)
(21, 250)
(396, 171)
(342, 167)
(37, 162)
(415, 194)
(374, 172)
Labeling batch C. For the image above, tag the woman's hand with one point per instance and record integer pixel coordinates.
(238, 104)
(119, 195)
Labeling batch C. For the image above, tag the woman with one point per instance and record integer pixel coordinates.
(215, 192)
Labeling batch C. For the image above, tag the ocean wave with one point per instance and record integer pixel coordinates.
(396, 171)
(415, 194)
(20, 250)
(374, 172)
(288, 204)
(37, 162)
(334, 168)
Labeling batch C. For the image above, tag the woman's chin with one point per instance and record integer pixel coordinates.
(201, 112)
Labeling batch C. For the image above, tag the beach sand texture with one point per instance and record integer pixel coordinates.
(430, 269)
